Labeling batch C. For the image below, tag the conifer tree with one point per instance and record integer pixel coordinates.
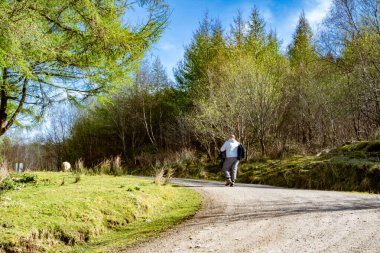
(238, 30)
(301, 51)
(53, 50)
(302, 57)
(192, 73)
(256, 27)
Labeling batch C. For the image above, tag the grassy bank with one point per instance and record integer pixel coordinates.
(61, 212)
(351, 167)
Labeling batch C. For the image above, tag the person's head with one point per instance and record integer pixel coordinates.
(232, 137)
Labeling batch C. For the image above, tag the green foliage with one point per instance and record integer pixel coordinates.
(56, 50)
(207, 45)
(96, 215)
(238, 81)
(301, 50)
(256, 37)
(362, 149)
(353, 167)
(133, 120)
(240, 86)
(17, 181)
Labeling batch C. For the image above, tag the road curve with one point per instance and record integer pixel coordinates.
(255, 218)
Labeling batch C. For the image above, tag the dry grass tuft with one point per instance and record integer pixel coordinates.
(117, 169)
(184, 156)
(3, 170)
(79, 166)
(104, 167)
(169, 175)
(159, 176)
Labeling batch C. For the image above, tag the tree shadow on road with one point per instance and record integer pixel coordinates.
(273, 209)
(323, 202)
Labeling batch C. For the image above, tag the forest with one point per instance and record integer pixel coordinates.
(322, 91)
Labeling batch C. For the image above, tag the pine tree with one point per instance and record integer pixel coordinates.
(301, 51)
(256, 29)
(302, 57)
(192, 73)
(192, 67)
(238, 30)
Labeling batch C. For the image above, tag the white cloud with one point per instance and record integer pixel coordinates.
(170, 54)
(267, 14)
(166, 46)
(286, 27)
(317, 12)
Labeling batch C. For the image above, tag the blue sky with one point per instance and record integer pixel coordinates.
(280, 15)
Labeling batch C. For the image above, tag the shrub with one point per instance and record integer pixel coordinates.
(116, 168)
(3, 170)
(169, 175)
(159, 176)
(373, 146)
(104, 167)
(184, 156)
(14, 181)
(79, 166)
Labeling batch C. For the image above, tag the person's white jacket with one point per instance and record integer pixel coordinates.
(231, 148)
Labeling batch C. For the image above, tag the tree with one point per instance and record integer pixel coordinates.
(151, 80)
(238, 30)
(256, 29)
(191, 72)
(352, 33)
(62, 49)
(139, 118)
(301, 51)
(192, 68)
(302, 57)
(57, 132)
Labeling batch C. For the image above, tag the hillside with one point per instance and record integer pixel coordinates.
(350, 167)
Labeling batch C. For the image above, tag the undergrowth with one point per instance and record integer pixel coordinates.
(351, 167)
(17, 181)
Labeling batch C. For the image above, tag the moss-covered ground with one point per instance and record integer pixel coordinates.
(351, 167)
(62, 212)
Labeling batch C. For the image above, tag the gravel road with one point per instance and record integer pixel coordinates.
(255, 218)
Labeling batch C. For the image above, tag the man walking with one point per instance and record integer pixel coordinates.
(234, 152)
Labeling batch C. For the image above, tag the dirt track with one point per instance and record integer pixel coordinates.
(254, 218)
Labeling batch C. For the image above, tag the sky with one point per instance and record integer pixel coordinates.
(280, 15)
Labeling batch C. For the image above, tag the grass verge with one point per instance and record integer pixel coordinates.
(56, 212)
(351, 167)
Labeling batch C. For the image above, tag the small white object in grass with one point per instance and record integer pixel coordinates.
(66, 166)
(148, 220)
(7, 198)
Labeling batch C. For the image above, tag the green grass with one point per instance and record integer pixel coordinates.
(59, 213)
(351, 167)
